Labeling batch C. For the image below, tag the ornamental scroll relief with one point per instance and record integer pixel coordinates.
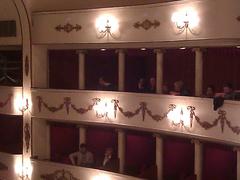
(68, 27)
(4, 103)
(146, 24)
(143, 110)
(59, 175)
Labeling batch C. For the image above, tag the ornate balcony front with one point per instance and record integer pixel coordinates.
(176, 115)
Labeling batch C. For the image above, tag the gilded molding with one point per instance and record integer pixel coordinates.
(68, 27)
(26, 65)
(59, 175)
(146, 24)
(27, 136)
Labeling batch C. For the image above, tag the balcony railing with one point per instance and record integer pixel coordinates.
(187, 116)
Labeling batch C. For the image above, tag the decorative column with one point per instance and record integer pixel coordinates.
(159, 71)
(81, 62)
(121, 70)
(121, 149)
(198, 72)
(197, 158)
(82, 135)
(159, 156)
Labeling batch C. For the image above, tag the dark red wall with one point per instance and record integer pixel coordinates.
(63, 69)
(219, 162)
(100, 138)
(140, 152)
(101, 64)
(178, 158)
(64, 139)
(221, 65)
(11, 128)
(139, 64)
(179, 64)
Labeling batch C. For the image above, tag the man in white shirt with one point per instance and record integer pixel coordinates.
(83, 157)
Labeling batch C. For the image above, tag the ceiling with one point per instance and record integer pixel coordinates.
(60, 5)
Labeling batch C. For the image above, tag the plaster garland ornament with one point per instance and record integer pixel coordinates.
(68, 27)
(4, 103)
(59, 175)
(27, 136)
(142, 109)
(146, 24)
(26, 65)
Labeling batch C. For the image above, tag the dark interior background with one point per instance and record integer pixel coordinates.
(11, 134)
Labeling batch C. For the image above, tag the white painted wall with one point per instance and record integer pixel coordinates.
(9, 12)
(217, 21)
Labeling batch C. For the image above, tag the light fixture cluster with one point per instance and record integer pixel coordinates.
(185, 21)
(180, 117)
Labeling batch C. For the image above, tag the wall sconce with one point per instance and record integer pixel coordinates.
(180, 118)
(24, 106)
(23, 171)
(107, 26)
(104, 109)
(20, 103)
(186, 21)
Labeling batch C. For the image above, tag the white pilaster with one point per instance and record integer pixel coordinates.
(81, 62)
(159, 71)
(121, 150)
(121, 70)
(198, 72)
(39, 66)
(197, 158)
(82, 135)
(159, 157)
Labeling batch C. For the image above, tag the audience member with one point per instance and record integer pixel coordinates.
(108, 162)
(179, 89)
(82, 157)
(210, 92)
(104, 85)
(141, 88)
(228, 91)
(152, 85)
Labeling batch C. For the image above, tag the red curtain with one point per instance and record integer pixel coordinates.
(11, 128)
(221, 65)
(140, 152)
(101, 64)
(63, 69)
(139, 64)
(100, 138)
(219, 162)
(178, 158)
(64, 139)
(179, 64)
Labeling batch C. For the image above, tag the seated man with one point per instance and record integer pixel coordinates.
(83, 157)
(108, 162)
